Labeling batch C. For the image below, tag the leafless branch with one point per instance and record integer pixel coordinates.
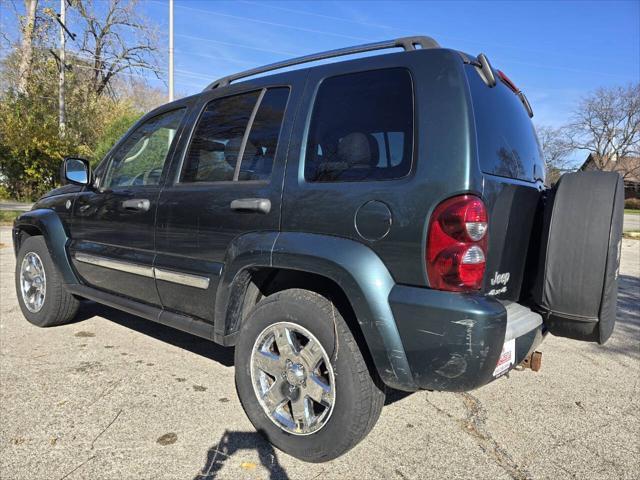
(118, 40)
(556, 147)
(607, 124)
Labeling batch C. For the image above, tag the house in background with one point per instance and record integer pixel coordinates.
(627, 167)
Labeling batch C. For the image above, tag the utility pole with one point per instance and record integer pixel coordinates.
(171, 50)
(63, 67)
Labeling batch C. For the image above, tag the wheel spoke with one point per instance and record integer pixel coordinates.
(269, 363)
(300, 412)
(274, 398)
(318, 391)
(284, 342)
(311, 354)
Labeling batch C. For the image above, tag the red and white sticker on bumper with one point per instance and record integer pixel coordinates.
(507, 358)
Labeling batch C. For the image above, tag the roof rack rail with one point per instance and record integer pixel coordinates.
(408, 43)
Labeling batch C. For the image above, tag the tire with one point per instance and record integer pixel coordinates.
(58, 306)
(357, 396)
(577, 284)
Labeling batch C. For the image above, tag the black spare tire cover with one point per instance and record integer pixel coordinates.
(577, 282)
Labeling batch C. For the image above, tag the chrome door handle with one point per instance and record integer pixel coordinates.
(141, 204)
(259, 205)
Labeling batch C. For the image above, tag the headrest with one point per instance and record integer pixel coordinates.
(232, 148)
(358, 150)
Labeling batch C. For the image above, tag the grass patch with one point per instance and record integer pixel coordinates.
(8, 216)
(632, 210)
(634, 234)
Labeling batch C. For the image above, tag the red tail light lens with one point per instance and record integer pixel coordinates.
(457, 244)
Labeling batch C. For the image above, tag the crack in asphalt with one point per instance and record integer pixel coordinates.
(474, 424)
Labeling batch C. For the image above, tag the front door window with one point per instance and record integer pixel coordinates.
(140, 159)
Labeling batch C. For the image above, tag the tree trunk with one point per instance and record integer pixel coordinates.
(26, 58)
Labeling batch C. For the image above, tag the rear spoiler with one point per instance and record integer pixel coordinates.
(485, 71)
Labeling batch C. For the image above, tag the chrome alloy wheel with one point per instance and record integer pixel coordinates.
(33, 282)
(293, 378)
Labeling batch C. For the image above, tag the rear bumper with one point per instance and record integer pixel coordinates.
(453, 341)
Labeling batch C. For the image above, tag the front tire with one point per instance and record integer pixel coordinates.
(43, 300)
(302, 379)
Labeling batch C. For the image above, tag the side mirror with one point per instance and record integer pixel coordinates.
(76, 171)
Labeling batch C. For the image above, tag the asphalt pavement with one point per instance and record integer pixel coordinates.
(114, 396)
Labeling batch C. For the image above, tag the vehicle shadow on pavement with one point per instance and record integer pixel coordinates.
(393, 396)
(233, 442)
(199, 346)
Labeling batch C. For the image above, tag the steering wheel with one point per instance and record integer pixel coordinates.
(143, 177)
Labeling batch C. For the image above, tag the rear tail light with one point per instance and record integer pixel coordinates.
(508, 82)
(457, 244)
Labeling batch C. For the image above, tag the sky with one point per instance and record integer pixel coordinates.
(555, 51)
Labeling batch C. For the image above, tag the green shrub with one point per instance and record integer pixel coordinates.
(114, 130)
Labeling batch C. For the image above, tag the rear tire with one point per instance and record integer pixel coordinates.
(43, 300)
(356, 398)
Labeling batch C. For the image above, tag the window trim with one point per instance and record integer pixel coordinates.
(108, 159)
(177, 182)
(247, 132)
(307, 126)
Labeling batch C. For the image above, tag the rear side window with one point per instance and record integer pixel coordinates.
(361, 127)
(218, 140)
(507, 142)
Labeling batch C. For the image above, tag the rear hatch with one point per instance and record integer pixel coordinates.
(509, 156)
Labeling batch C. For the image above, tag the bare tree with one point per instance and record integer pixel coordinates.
(28, 34)
(607, 124)
(116, 39)
(556, 147)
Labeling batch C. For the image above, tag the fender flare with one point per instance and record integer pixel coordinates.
(48, 223)
(352, 265)
(248, 251)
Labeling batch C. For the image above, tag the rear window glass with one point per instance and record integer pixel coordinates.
(507, 143)
(361, 127)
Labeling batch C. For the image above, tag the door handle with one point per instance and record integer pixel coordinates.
(259, 205)
(141, 204)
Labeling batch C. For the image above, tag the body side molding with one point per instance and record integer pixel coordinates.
(188, 279)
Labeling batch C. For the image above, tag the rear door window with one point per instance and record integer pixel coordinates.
(219, 138)
(507, 142)
(361, 127)
(260, 150)
(214, 149)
